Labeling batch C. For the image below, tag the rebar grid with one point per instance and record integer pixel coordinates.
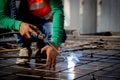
(93, 65)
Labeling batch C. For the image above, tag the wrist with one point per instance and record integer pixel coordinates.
(54, 46)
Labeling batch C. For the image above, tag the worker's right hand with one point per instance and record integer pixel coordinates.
(27, 29)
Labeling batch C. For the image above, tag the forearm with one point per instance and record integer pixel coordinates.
(58, 22)
(57, 30)
(9, 23)
(6, 21)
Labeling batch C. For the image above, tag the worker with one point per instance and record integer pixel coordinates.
(32, 15)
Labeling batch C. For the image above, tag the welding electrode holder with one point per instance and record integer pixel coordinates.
(39, 35)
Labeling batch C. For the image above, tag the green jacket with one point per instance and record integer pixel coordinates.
(58, 20)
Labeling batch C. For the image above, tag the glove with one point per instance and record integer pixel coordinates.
(52, 53)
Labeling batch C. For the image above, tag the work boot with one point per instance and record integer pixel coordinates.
(39, 56)
(25, 53)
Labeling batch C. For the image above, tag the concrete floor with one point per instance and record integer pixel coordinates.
(82, 58)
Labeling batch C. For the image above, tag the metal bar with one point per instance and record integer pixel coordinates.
(117, 77)
(6, 73)
(34, 69)
(41, 77)
(96, 71)
(32, 76)
(8, 33)
(7, 65)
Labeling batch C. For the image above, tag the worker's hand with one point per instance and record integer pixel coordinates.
(51, 55)
(26, 30)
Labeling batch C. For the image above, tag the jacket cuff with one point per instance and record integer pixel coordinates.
(17, 25)
(56, 43)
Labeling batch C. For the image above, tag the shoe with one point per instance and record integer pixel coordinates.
(25, 53)
(39, 56)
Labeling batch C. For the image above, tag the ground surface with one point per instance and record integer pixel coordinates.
(81, 58)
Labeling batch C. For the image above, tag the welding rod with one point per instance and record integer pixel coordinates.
(56, 50)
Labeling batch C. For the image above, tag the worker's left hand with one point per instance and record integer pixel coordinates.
(51, 55)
